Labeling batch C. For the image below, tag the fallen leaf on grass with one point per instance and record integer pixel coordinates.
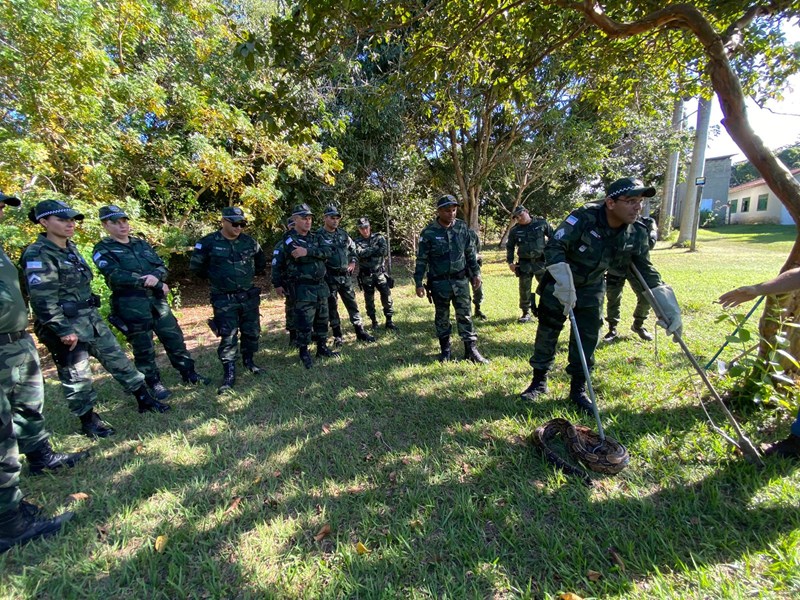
(139, 449)
(361, 548)
(326, 429)
(276, 474)
(369, 457)
(593, 575)
(77, 497)
(615, 557)
(570, 596)
(323, 533)
(234, 505)
(161, 543)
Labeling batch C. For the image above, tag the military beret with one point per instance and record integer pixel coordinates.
(447, 200)
(302, 210)
(57, 208)
(112, 212)
(233, 214)
(363, 222)
(9, 200)
(629, 187)
(332, 211)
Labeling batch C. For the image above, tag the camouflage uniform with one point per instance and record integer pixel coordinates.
(21, 386)
(338, 278)
(141, 310)
(280, 279)
(371, 253)
(615, 283)
(59, 285)
(230, 266)
(477, 295)
(448, 255)
(528, 241)
(589, 246)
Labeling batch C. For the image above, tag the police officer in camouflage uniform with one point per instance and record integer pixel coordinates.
(447, 253)
(615, 283)
(477, 292)
(136, 276)
(303, 257)
(590, 240)
(21, 421)
(372, 250)
(280, 279)
(340, 267)
(528, 238)
(68, 322)
(230, 259)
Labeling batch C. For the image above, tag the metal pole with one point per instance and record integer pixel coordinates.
(745, 445)
(735, 331)
(586, 374)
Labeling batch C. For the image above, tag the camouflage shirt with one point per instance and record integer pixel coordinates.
(444, 251)
(124, 265)
(229, 265)
(344, 250)
(528, 241)
(371, 252)
(55, 275)
(586, 242)
(309, 268)
(13, 314)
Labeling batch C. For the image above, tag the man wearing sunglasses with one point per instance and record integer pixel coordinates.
(230, 259)
(588, 242)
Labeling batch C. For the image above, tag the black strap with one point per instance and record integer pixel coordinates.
(10, 338)
(458, 275)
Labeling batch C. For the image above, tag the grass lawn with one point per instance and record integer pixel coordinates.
(422, 475)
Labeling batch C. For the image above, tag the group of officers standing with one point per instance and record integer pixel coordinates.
(311, 270)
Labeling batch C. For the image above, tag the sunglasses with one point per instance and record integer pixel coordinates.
(237, 224)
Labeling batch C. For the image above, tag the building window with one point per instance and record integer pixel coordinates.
(762, 202)
(745, 204)
(734, 205)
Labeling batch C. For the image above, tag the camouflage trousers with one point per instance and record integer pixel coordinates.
(311, 311)
(455, 291)
(342, 285)
(237, 315)
(477, 296)
(369, 283)
(588, 314)
(527, 298)
(21, 421)
(73, 367)
(163, 323)
(289, 312)
(614, 286)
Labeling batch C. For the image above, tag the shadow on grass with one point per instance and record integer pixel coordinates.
(427, 465)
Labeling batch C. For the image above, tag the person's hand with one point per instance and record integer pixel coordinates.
(421, 292)
(299, 252)
(738, 296)
(280, 291)
(513, 267)
(476, 282)
(351, 267)
(70, 340)
(165, 289)
(149, 280)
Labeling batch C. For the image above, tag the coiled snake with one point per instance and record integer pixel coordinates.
(584, 446)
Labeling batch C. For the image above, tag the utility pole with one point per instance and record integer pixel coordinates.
(688, 213)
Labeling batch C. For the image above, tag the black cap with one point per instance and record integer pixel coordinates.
(332, 211)
(234, 214)
(363, 222)
(629, 187)
(45, 208)
(9, 200)
(302, 210)
(447, 200)
(518, 211)
(112, 212)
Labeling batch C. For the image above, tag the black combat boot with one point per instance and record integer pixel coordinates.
(390, 324)
(338, 342)
(157, 389)
(471, 353)
(228, 377)
(362, 335)
(786, 448)
(292, 337)
(611, 335)
(323, 350)
(526, 317)
(22, 525)
(478, 314)
(537, 387)
(375, 321)
(147, 403)
(44, 458)
(577, 393)
(305, 356)
(92, 425)
(639, 329)
(194, 377)
(444, 349)
(247, 361)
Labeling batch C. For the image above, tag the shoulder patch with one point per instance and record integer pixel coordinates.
(34, 279)
(33, 264)
(559, 234)
(572, 219)
(96, 256)
(289, 240)
(198, 246)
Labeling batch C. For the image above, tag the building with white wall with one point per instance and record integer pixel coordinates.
(754, 202)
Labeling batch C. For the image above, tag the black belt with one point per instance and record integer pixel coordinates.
(239, 296)
(462, 274)
(129, 293)
(367, 271)
(333, 271)
(10, 338)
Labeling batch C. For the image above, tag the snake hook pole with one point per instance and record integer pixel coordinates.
(586, 374)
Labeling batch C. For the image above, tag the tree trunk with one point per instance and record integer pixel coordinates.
(671, 178)
(690, 208)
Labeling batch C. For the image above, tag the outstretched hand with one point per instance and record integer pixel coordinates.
(738, 296)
